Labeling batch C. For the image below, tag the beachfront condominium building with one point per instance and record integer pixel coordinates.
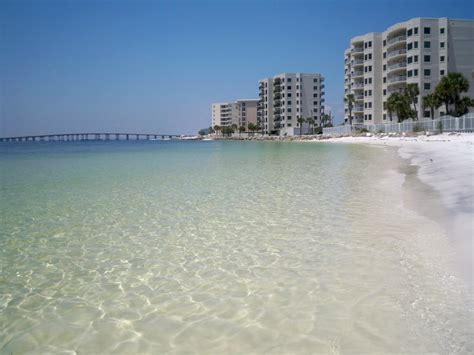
(420, 51)
(287, 97)
(240, 113)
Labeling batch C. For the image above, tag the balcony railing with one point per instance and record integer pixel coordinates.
(391, 91)
(357, 61)
(277, 111)
(277, 88)
(277, 103)
(358, 97)
(277, 96)
(358, 108)
(396, 52)
(397, 65)
(358, 73)
(396, 39)
(358, 86)
(396, 79)
(357, 49)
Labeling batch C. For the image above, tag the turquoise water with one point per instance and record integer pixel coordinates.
(221, 247)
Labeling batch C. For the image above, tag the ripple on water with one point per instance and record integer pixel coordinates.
(222, 248)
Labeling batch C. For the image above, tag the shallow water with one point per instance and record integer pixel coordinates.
(221, 247)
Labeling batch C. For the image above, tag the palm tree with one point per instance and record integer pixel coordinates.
(432, 102)
(450, 88)
(350, 105)
(412, 91)
(210, 130)
(217, 129)
(241, 129)
(311, 122)
(399, 103)
(301, 120)
(252, 127)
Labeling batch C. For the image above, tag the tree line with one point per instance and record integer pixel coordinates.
(448, 92)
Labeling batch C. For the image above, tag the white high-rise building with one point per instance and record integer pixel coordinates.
(286, 97)
(240, 113)
(420, 50)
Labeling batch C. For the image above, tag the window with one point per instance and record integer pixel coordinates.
(441, 30)
(288, 87)
(370, 92)
(315, 103)
(427, 72)
(365, 104)
(384, 42)
(315, 95)
(427, 44)
(427, 30)
(289, 94)
(289, 109)
(384, 55)
(427, 86)
(365, 117)
(384, 116)
(409, 60)
(297, 94)
(384, 92)
(384, 79)
(289, 80)
(288, 118)
(415, 72)
(415, 59)
(385, 67)
(409, 73)
(315, 88)
(427, 58)
(370, 43)
(441, 59)
(370, 104)
(370, 80)
(409, 32)
(315, 80)
(370, 67)
(415, 44)
(365, 69)
(441, 44)
(410, 46)
(298, 79)
(415, 30)
(426, 114)
(441, 72)
(288, 102)
(370, 116)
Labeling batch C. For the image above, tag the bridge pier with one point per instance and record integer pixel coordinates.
(117, 136)
(107, 137)
(138, 136)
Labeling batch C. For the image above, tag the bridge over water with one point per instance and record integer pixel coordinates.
(89, 137)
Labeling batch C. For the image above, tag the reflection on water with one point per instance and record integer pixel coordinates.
(220, 247)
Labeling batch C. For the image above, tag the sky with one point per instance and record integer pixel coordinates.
(156, 66)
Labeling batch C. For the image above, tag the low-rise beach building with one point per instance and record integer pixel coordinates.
(241, 113)
(287, 97)
(420, 51)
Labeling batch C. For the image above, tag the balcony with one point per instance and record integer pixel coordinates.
(397, 39)
(357, 73)
(358, 85)
(396, 89)
(277, 88)
(277, 96)
(396, 53)
(357, 62)
(277, 81)
(358, 108)
(277, 111)
(358, 97)
(277, 103)
(396, 66)
(357, 50)
(397, 79)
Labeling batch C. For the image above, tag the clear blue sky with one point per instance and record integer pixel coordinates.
(156, 66)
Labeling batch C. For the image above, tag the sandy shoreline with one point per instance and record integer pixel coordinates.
(445, 163)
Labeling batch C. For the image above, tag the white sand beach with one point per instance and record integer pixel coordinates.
(445, 163)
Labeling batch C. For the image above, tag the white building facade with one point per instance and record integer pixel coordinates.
(239, 113)
(287, 97)
(420, 51)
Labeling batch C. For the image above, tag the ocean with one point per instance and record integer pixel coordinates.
(223, 247)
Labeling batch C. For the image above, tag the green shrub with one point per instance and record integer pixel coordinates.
(418, 128)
